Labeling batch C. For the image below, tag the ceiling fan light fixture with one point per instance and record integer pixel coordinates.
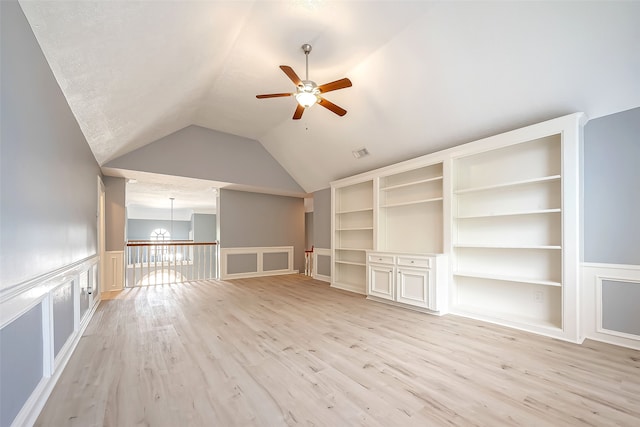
(306, 99)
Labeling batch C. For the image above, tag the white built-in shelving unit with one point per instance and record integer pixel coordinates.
(495, 223)
(393, 214)
(353, 219)
(514, 229)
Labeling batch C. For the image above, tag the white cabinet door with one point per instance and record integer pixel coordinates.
(381, 282)
(413, 287)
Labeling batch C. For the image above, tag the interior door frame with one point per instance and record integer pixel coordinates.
(101, 236)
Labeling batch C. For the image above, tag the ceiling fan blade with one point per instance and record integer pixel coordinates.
(291, 74)
(273, 95)
(338, 84)
(298, 114)
(331, 106)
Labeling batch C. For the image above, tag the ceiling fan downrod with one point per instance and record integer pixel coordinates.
(306, 48)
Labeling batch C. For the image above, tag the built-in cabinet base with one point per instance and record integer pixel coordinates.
(408, 280)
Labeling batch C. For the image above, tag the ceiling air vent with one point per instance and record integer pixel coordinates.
(360, 153)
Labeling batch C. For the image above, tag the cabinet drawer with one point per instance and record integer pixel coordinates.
(381, 259)
(414, 262)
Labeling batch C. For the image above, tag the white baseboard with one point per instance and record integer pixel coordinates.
(349, 287)
(322, 277)
(261, 274)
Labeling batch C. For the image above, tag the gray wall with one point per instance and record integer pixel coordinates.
(612, 189)
(48, 191)
(48, 184)
(115, 214)
(322, 218)
(308, 230)
(204, 227)
(140, 229)
(256, 220)
(197, 152)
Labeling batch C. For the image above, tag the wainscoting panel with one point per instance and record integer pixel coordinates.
(275, 261)
(610, 303)
(40, 326)
(113, 271)
(85, 296)
(241, 263)
(237, 263)
(21, 362)
(63, 321)
(619, 302)
(322, 264)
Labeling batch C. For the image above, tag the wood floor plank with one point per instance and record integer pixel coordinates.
(290, 350)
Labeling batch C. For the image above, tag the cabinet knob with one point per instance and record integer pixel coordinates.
(412, 262)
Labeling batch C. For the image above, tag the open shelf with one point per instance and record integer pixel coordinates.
(412, 202)
(508, 184)
(354, 211)
(495, 214)
(409, 177)
(530, 304)
(408, 184)
(350, 263)
(530, 161)
(506, 318)
(530, 198)
(512, 246)
(514, 279)
(353, 249)
(354, 228)
(518, 231)
(410, 210)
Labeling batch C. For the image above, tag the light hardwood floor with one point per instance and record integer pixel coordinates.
(289, 350)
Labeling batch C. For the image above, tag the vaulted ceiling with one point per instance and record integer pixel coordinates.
(426, 75)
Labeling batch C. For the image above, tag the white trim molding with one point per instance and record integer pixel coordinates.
(113, 271)
(320, 252)
(593, 274)
(18, 300)
(259, 252)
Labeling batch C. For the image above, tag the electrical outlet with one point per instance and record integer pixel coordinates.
(538, 296)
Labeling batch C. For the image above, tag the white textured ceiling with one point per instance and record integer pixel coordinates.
(426, 75)
(154, 191)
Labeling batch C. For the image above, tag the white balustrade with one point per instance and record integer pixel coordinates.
(166, 262)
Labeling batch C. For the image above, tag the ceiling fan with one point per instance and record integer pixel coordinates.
(308, 92)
